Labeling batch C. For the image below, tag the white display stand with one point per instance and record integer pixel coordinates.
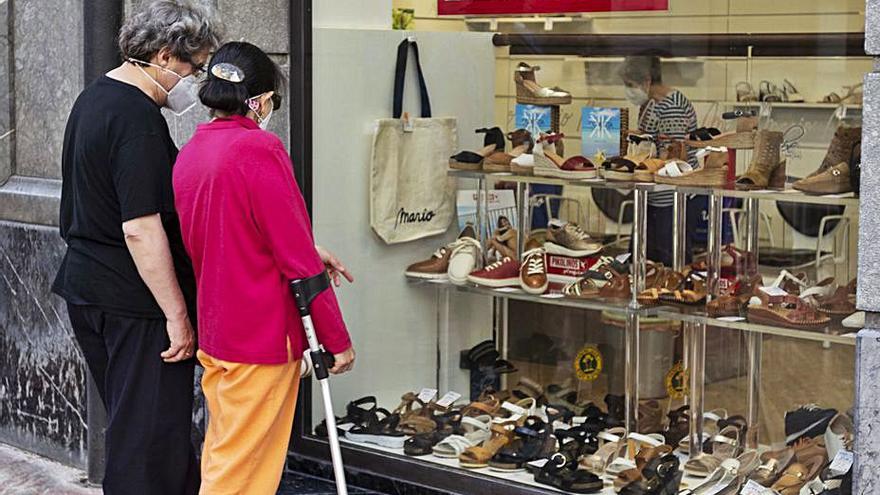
(396, 335)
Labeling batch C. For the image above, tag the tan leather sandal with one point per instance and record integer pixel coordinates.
(479, 456)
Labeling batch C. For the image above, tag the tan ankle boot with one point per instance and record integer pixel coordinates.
(765, 163)
(841, 148)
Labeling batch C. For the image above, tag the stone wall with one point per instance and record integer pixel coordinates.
(42, 377)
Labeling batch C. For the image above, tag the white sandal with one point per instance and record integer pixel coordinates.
(476, 432)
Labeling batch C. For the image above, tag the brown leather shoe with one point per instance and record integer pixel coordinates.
(434, 267)
(834, 180)
(533, 271)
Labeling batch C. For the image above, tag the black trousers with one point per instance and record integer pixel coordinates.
(149, 403)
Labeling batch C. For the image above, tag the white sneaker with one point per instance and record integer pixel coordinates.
(466, 252)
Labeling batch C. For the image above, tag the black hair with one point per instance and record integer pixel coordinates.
(261, 75)
(500, 218)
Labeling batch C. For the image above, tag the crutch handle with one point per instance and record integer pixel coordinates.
(305, 290)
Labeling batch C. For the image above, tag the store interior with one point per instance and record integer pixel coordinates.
(539, 340)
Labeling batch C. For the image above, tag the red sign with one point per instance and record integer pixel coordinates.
(511, 7)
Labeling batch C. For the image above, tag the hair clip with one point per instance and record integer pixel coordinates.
(227, 72)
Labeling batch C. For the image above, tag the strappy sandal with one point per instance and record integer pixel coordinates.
(529, 92)
(769, 92)
(472, 432)
(790, 92)
(618, 168)
(664, 283)
(745, 92)
(841, 303)
(445, 425)
(678, 426)
(379, 431)
(478, 457)
(534, 439)
(742, 137)
(355, 414)
(589, 285)
(470, 160)
(772, 466)
(548, 163)
(726, 445)
(629, 448)
(679, 172)
(645, 456)
(561, 472)
(784, 310)
(691, 290)
(609, 445)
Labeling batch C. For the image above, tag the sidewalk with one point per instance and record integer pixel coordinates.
(23, 473)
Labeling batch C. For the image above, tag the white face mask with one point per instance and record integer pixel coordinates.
(182, 97)
(636, 96)
(254, 104)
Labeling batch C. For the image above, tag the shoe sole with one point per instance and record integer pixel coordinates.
(619, 176)
(712, 177)
(495, 283)
(496, 167)
(534, 291)
(427, 276)
(564, 174)
(556, 249)
(380, 440)
(472, 167)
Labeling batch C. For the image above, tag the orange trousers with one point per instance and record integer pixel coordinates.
(250, 417)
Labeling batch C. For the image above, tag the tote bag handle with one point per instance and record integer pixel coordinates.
(400, 77)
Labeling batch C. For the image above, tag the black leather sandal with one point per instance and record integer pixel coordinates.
(561, 472)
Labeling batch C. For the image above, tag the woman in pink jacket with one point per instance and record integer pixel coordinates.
(246, 228)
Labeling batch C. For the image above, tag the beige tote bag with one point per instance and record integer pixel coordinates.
(411, 195)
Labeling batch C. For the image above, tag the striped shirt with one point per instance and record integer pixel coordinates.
(673, 117)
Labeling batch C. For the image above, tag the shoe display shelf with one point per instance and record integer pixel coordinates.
(695, 321)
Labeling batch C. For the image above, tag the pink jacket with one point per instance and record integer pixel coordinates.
(246, 228)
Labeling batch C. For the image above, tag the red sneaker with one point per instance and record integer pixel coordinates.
(504, 273)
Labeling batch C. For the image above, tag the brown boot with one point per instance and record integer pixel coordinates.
(841, 148)
(834, 180)
(765, 163)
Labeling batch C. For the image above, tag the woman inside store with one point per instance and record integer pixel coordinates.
(246, 228)
(666, 114)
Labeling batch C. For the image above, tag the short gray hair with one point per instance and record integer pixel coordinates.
(186, 28)
(637, 68)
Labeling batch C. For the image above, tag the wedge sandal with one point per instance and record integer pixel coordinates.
(534, 439)
(787, 310)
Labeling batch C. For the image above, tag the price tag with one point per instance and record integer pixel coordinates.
(623, 258)
(539, 463)
(753, 488)
(506, 289)
(554, 295)
(774, 291)
(427, 395)
(578, 420)
(515, 409)
(448, 399)
(407, 123)
(842, 462)
(814, 487)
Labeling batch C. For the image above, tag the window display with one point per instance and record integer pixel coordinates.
(646, 305)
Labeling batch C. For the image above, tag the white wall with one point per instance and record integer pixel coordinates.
(394, 325)
(352, 14)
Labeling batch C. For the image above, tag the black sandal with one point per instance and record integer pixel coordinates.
(354, 414)
(561, 472)
(379, 431)
(678, 427)
(534, 440)
(704, 134)
(423, 443)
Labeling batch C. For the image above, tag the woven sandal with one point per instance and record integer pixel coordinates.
(787, 310)
(841, 303)
(618, 168)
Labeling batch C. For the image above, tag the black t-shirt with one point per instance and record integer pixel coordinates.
(116, 166)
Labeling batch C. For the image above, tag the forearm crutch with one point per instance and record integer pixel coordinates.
(305, 291)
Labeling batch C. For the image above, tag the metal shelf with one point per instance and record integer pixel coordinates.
(792, 105)
(787, 195)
